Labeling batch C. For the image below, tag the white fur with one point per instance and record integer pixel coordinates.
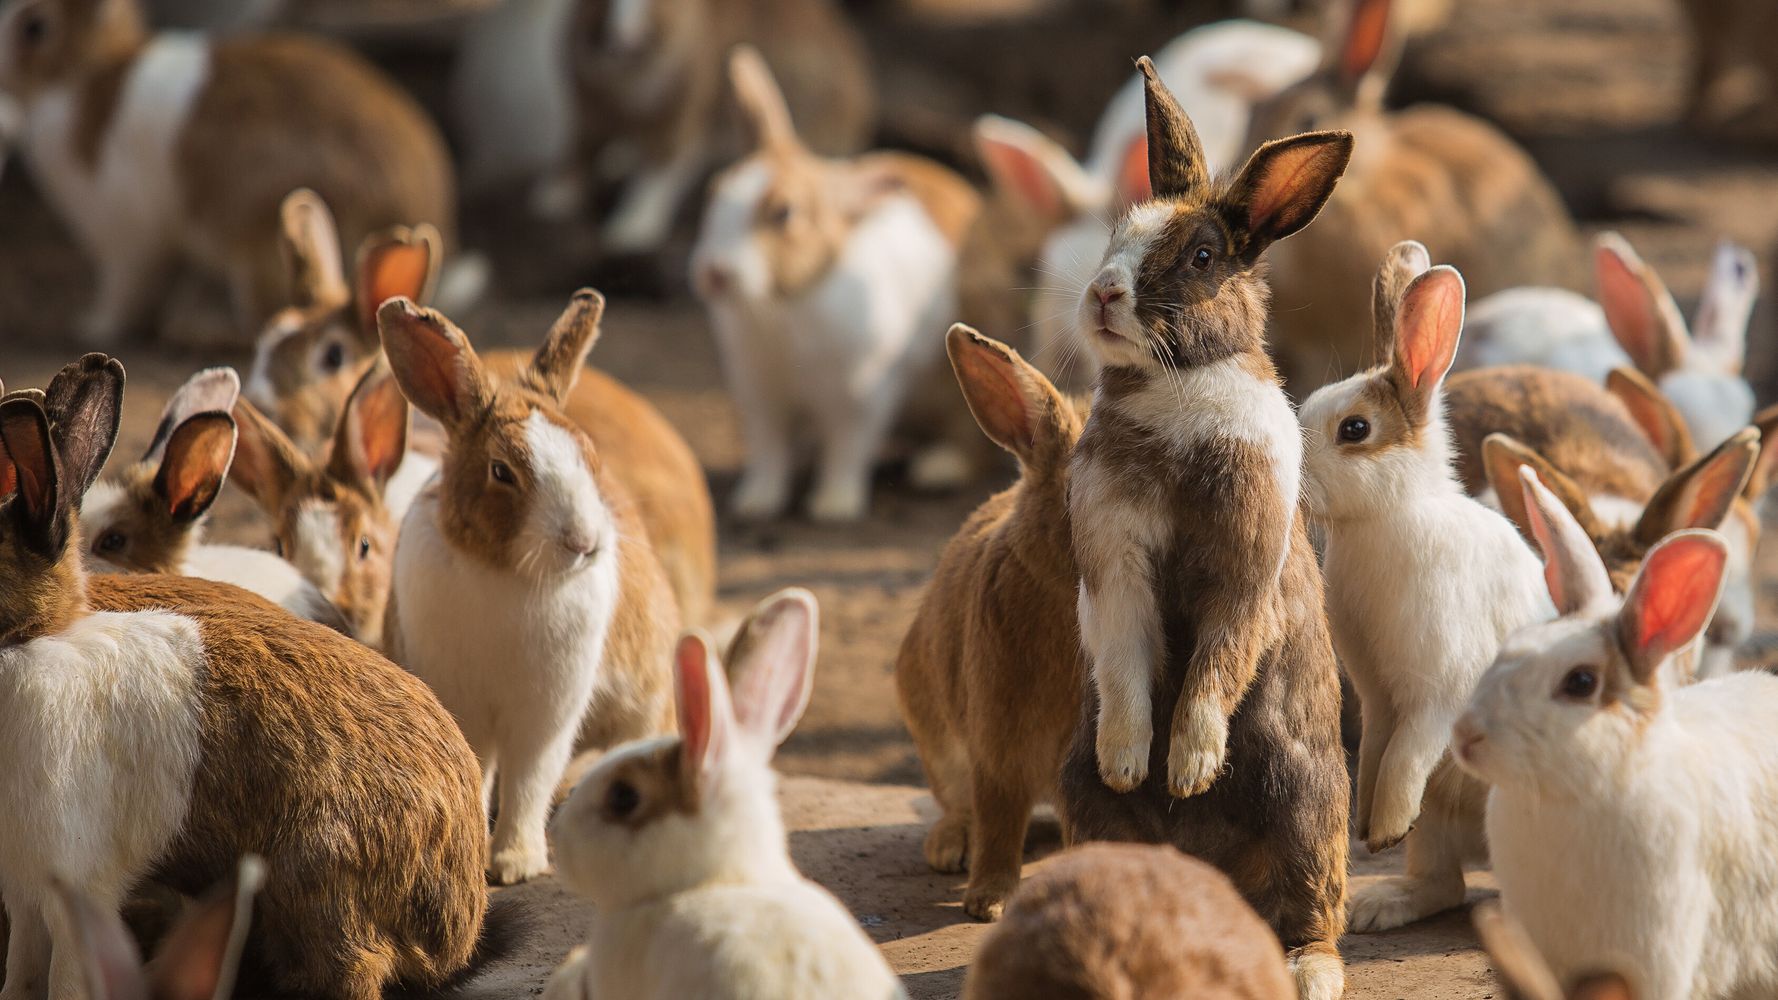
(510, 90)
(515, 656)
(839, 358)
(416, 472)
(1550, 327)
(315, 545)
(100, 730)
(627, 23)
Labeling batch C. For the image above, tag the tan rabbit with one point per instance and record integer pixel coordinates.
(989, 674)
(1114, 921)
(1447, 179)
(165, 148)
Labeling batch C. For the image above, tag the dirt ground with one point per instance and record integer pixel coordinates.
(1590, 86)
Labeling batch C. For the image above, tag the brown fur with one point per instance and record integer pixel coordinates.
(1659, 419)
(80, 38)
(1117, 921)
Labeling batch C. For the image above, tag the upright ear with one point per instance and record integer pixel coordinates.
(1133, 186)
(1427, 326)
(43, 506)
(556, 367)
(1720, 326)
(1176, 164)
(396, 262)
(1404, 262)
(772, 661)
(437, 369)
(1671, 599)
(109, 962)
(85, 403)
(1015, 405)
(196, 462)
(1701, 494)
(1364, 59)
(213, 390)
(1036, 171)
(1572, 569)
(202, 952)
(1503, 456)
(267, 463)
(706, 720)
(762, 103)
(311, 247)
(371, 440)
(1284, 185)
(1641, 312)
(1766, 421)
(1659, 419)
(1526, 974)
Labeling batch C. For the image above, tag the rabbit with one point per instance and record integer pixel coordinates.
(1129, 920)
(678, 843)
(1196, 568)
(1526, 974)
(1635, 322)
(651, 106)
(162, 726)
(525, 590)
(160, 149)
(1603, 767)
(843, 267)
(1377, 480)
(988, 676)
(149, 519)
(198, 960)
(1452, 180)
(1219, 70)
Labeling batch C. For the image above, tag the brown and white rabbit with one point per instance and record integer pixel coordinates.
(176, 147)
(653, 107)
(164, 726)
(1526, 974)
(1213, 722)
(679, 844)
(150, 517)
(1448, 179)
(526, 592)
(1127, 920)
(991, 706)
(844, 267)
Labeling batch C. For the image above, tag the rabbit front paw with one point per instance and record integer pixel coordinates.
(761, 495)
(1196, 755)
(1123, 755)
(987, 901)
(947, 844)
(513, 865)
(839, 504)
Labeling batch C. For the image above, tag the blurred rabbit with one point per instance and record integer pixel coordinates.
(175, 147)
(1526, 974)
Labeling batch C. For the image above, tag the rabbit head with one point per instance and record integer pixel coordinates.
(666, 815)
(1350, 83)
(1180, 284)
(1566, 702)
(1382, 432)
(1526, 974)
(634, 30)
(48, 42)
(52, 446)
(146, 519)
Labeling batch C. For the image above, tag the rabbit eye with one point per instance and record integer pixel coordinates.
(1354, 430)
(621, 800)
(334, 358)
(1201, 258)
(502, 473)
(111, 541)
(33, 28)
(779, 215)
(363, 546)
(1579, 684)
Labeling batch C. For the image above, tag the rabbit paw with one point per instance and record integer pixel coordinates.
(1196, 755)
(839, 504)
(558, 197)
(940, 468)
(760, 496)
(1319, 973)
(987, 901)
(1123, 760)
(1395, 902)
(517, 864)
(947, 843)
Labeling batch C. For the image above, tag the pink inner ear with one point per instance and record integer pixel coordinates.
(1428, 324)
(1676, 592)
(1633, 314)
(1133, 183)
(694, 697)
(996, 397)
(1022, 172)
(1364, 39)
(382, 428)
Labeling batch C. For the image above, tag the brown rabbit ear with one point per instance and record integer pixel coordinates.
(1503, 456)
(1659, 419)
(1572, 568)
(311, 245)
(1036, 170)
(437, 369)
(762, 103)
(399, 261)
(1284, 186)
(1671, 599)
(1766, 421)
(1404, 262)
(1428, 323)
(371, 440)
(1526, 974)
(1701, 494)
(1176, 164)
(706, 720)
(202, 952)
(84, 403)
(1638, 308)
(213, 390)
(197, 459)
(1015, 405)
(1609, 986)
(772, 663)
(556, 366)
(109, 961)
(1366, 56)
(267, 464)
(43, 508)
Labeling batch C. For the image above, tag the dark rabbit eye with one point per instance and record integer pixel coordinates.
(1354, 429)
(111, 541)
(502, 472)
(334, 358)
(779, 215)
(1580, 684)
(1201, 259)
(363, 546)
(33, 28)
(621, 800)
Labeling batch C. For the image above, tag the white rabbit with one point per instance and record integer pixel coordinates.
(1423, 584)
(1635, 322)
(679, 844)
(1630, 818)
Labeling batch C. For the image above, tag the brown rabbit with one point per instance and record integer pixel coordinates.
(1445, 178)
(989, 673)
(1123, 921)
(192, 722)
(1212, 722)
(175, 147)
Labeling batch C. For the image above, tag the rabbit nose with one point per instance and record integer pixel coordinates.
(715, 279)
(581, 543)
(1106, 289)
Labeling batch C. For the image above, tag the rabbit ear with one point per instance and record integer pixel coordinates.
(772, 661)
(437, 369)
(266, 462)
(396, 262)
(1014, 404)
(1659, 419)
(556, 366)
(1284, 185)
(1720, 326)
(196, 463)
(1766, 421)
(1404, 262)
(371, 440)
(1701, 494)
(706, 719)
(44, 510)
(213, 390)
(1176, 164)
(1503, 456)
(1609, 986)
(1133, 186)
(1671, 599)
(1639, 309)
(109, 961)
(1365, 60)
(1036, 170)
(1427, 326)
(1572, 569)
(762, 103)
(311, 246)
(202, 952)
(1526, 974)
(84, 403)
